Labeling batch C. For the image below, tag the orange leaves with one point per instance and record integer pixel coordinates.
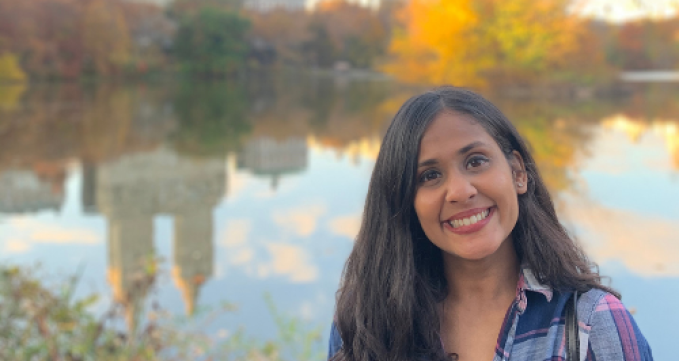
(66, 39)
(463, 42)
(435, 43)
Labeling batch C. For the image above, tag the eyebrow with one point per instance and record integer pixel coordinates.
(462, 150)
(470, 146)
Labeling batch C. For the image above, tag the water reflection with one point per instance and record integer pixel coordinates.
(645, 244)
(635, 128)
(131, 190)
(23, 190)
(265, 180)
(266, 156)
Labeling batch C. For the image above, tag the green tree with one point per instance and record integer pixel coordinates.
(212, 42)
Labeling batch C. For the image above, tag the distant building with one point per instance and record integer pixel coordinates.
(267, 5)
(157, 2)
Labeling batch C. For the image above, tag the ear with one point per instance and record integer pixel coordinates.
(519, 174)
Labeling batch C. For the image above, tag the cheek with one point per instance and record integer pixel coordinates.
(423, 205)
(512, 211)
(425, 208)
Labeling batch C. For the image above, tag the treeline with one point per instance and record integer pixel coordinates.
(476, 42)
(68, 39)
(71, 39)
(466, 42)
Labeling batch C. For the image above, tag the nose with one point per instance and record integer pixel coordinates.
(459, 189)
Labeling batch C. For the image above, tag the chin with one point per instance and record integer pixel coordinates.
(476, 253)
(472, 255)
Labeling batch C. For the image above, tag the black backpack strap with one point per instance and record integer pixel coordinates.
(572, 333)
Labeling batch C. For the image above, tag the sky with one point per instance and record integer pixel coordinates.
(626, 10)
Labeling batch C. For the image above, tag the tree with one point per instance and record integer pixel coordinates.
(437, 43)
(65, 38)
(212, 42)
(182, 8)
(106, 37)
(284, 30)
(348, 32)
(466, 42)
(10, 70)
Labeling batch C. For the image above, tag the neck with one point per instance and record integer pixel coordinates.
(489, 280)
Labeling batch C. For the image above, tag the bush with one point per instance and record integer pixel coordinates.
(41, 320)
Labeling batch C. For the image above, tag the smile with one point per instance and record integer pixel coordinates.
(470, 224)
(457, 223)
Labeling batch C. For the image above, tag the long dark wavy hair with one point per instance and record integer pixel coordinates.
(393, 281)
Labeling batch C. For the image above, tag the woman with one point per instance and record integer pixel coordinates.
(460, 254)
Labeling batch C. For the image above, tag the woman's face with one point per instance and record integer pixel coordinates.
(467, 194)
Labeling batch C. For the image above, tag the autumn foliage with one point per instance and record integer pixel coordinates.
(337, 31)
(68, 39)
(462, 42)
(646, 44)
(344, 31)
(466, 42)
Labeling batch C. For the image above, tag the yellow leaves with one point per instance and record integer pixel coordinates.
(10, 95)
(10, 70)
(532, 34)
(463, 42)
(434, 44)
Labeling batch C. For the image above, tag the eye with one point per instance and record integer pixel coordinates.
(429, 175)
(476, 161)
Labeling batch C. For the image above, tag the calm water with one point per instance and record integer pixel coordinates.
(249, 190)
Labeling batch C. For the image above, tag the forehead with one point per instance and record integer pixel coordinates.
(452, 131)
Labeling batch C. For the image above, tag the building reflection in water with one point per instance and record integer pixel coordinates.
(130, 192)
(22, 190)
(273, 158)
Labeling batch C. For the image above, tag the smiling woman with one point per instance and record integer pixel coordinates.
(460, 254)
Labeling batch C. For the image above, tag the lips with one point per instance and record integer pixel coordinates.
(469, 221)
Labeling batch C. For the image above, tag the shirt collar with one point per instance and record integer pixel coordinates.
(528, 282)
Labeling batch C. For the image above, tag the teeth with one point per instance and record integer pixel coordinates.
(471, 220)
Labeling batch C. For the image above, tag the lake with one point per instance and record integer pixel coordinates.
(251, 192)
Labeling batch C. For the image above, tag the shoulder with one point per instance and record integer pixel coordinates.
(335, 342)
(610, 329)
